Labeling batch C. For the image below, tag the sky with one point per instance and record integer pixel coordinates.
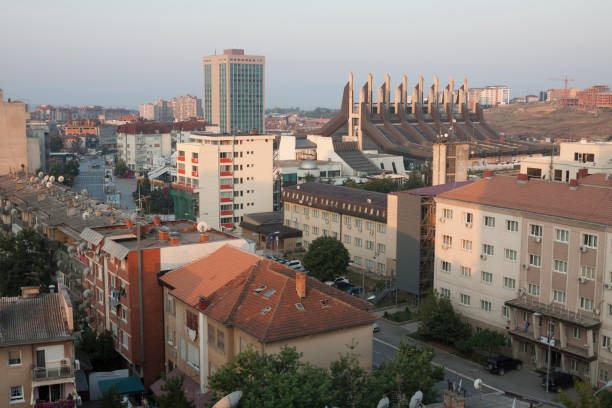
(123, 53)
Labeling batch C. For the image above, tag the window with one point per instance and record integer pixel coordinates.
(487, 277)
(447, 241)
(335, 217)
(347, 221)
(587, 272)
(358, 224)
(589, 240)
(466, 245)
(489, 221)
(603, 374)
(369, 264)
(577, 333)
(382, 248)
(191, 320)
(533, 289)
(558, 296)
(605, 341)
(382, 228)
(357, 260)
(170, 335)
(446, 266)
(506, 312)
(315, 213)
(510, 255)
(573, 364)
(100, 296)
(193, 356)
(14, 357)
(17, 394)
(512, 226)
(586, 303)
(315, 230)
(535, 230)
(124, 314)
(447, 213)
(465, 300)
(466, 271)
(347, 239)
(325, 233)
(469, 218)
(562, 235)
(220, 340)
(535, 260)
(211, 335)
(485, 305)
(358, 242)
(369, 245)
(487, 249)
(124, 339)
(382, 268)
(370, 225)
(560, 266)
(306, 210)
(509, 283)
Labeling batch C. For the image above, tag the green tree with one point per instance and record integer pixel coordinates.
(585, 397)
(112, 399)
(439, 321)
(309, 178)
(69, 170)
(352, 385)
(120, 167)
(56, 143)
(25, 260)
(173, 394)
(383, 185)
(326, 257)
(272, 380)
(100, 348)
(489, 341)
(350, 183)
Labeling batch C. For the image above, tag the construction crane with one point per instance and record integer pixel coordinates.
(565, 94)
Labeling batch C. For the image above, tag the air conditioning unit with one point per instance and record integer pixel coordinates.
(483, 256)
(442, 220)
(607, 285)
(583, 248)
(538, 239)
(581, 279)
(468, 225)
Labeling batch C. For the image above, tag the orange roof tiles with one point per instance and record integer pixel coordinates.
(259, 297)
(586, 203)
(598, 180)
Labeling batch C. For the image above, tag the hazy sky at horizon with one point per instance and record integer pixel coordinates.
(123, 53)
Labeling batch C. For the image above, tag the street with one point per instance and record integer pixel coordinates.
(524, 382)
(92, 179)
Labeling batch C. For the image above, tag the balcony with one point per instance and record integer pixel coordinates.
(225, 200)
(181, 158)
(194, 160)
(228, 225)
(181, 171)
(225, 187)
(225, 173)
(227, 212)
(53, 371)
(555, 312)
(225, 160)
(194, 174)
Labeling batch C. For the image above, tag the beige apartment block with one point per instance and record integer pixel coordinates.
(230, 175)
(532, 258)
(575, 160)
(141, 143)
(13, 142)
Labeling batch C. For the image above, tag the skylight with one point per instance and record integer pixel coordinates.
(269, 293)
(300, 307)
(324, 303)
(260, 289)
(265, 310)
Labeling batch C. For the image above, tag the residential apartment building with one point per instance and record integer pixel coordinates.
(489, 96)
(185, 107)
(222, 177)
(121, 291)
(234, 91)
(531, 258)
(13, 141)
(36, 349)
(149, 111)
(575, 160)
(139, 143)
(256, 304)
(598, 96)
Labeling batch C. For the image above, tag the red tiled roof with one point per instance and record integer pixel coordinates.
(143, 127)
(189, 125)
(599, 180)
(586, 203)
(237, 302)
(433, 190)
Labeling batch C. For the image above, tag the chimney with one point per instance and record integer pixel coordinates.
(163, 234)
(300, 284)
(174, 238)
(29, 291)
(204, 237)
(522, 178)
(202, 303)
(156, 220)
(488, 174)
(573, 184)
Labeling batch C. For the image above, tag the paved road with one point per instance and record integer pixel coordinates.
(92, 179)
(524, 382)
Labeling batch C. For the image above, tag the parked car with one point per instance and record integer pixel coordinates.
(338, 279)
(375, 328)
(501, 364)
(294, 264)
(355, 291)
(558, 380)
(343, 286)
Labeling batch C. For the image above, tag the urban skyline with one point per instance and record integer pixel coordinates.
(519, 46)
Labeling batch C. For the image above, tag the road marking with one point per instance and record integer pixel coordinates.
(450, 370)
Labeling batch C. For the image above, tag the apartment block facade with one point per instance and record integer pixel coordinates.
(114, 299)
(234, 91)
(37, 350)
(223, 177)
(139, 143)
(13, 142)
(532, 259)
(185, 107)
(256, 304)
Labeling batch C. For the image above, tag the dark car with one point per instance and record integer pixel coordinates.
(343, 286)
(558, 380)
(355, 291)
(501, 364)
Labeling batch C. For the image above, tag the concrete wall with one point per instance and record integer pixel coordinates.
(13, 144)
(404, 221)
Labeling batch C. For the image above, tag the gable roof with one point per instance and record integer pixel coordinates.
(586, 203)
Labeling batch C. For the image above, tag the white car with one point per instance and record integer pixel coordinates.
(294, 264)
(338, 279)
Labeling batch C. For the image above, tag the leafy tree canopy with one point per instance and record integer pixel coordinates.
(326, 257)
(112, 399)
(56, 143)
(440, 322)
(489, 341)
(585, 397)
(173, 394)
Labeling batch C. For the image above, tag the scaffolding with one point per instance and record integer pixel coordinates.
(427, 245)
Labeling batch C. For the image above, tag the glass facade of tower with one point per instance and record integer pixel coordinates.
(246, 98)
(208, 93)
(223, 97)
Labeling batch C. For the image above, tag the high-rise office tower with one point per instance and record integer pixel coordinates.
(234, 91)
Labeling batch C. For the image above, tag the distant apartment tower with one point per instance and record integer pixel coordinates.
(139, 143)
(222, 177)
(147, 111)
(13, 142)
(450, 162)
(234, 91)
(489, 96)
(185, 107)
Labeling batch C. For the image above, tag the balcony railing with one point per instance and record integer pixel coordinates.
(181, 158)
(226, 187)
(181, 171)
(194, 159)
(52, 371)
(225, 173)
(225, 160)
(194, 174)
(225, 200)
(56, 404)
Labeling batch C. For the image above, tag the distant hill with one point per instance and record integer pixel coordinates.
(543, 120)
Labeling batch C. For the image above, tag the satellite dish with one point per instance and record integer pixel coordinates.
(46, 178)
(52, 179)
(415, 401)
(49, 184)
(32, 178)
(86, 215)
(477, 384)
(14, 212)
(229, 401)
(84, 191)
(60, 179)
(40, 174)
(36, 180)
(202, 226)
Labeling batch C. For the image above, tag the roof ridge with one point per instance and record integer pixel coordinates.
(241, 296)
(282, 293)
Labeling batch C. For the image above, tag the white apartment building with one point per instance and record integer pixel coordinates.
(139, 143)
(532, 258)
(231, 175)
(575, 159)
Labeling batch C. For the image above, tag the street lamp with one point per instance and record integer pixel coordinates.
(548, 341)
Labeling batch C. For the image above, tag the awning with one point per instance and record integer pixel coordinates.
(190, 387)
(126, 385)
